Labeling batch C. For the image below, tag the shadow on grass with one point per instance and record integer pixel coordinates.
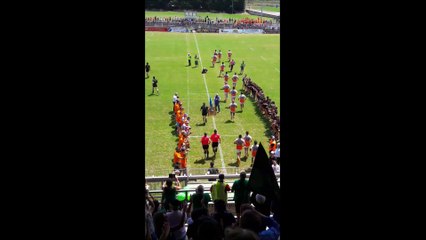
(173, 132)
(146, 77)
(233, 164)
(229, 121)
(171, 112)
(200, 161)
(262, 118)
(200, 124)
(153, 94)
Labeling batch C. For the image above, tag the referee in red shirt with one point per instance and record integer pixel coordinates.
(215, 138)
(205, 141)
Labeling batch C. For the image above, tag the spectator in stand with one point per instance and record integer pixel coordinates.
(220, 189)
(278, 153)
(177, 220)
(199, 199)
(238, 233)
(162, 227)
(272, 144)
(212, 170)
(222, 216)
(275, 167)
(149, 223)
(194, 221)
(253, 220)
(261, 204)
(242, 193)
(169, 193)
(208, 229)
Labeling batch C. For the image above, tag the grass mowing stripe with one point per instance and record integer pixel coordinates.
(220, 136)
(187, 73)
(187, 87)
(208, 97)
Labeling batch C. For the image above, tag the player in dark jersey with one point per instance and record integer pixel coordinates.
(155, 85)
(196, 60)
(231, 64)
(204, 110)
(147, 69)
(189, 59)
(243, 65)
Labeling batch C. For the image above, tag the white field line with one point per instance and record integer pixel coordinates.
(263, 58)
(276, 69)
(187, 75)
(208, 98)
(251, 48)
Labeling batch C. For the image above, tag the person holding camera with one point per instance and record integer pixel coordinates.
(169, 192)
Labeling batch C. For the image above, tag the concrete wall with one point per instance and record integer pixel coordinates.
(262, 14)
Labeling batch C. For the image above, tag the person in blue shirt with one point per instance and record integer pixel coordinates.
(216, 102)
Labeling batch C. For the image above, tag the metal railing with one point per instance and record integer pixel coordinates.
(195, 179)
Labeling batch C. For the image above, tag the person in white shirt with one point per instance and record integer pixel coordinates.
(175, 97)
(175, 218)
(277, 153)
(275, 166)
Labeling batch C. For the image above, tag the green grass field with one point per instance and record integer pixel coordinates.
(266, 8)
(202, 15)
(166, 53)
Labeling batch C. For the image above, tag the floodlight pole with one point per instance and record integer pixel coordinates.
(232, 6)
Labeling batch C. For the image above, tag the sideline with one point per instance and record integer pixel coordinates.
(208, 98)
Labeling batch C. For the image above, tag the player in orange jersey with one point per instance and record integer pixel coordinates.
(232, 108)
(239, 143)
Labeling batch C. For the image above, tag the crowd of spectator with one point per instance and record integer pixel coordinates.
(266, 106)
(180, 121)
(257, 216)
(213, 25)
